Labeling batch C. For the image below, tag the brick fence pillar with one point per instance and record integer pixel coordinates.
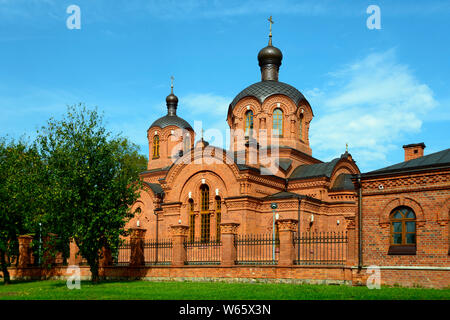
(25, 251)
(228, 232)
(286, 229)
(352, 242)
(137, 257)
(106, 259)
(74, 259)
(179, 235)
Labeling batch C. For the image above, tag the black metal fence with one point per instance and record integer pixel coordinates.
(321, 248)
(257, 249)
(203, 252)
(123, 254)
(158, 252)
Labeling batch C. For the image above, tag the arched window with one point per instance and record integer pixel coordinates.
(248, 123)
(301, 126)
(403, 228)
(204, 211)
(191, 220)
(278, 122)
(218, 217)
(155, 147)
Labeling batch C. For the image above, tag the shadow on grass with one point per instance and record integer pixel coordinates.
(13, 282)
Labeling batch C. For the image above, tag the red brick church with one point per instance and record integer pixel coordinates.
(403, 210)
(267, 209)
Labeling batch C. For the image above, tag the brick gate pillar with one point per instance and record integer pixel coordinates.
(286, 229)
(228, 232)
(74, 259)
(179, 236)
(137, 257)
(25, 251)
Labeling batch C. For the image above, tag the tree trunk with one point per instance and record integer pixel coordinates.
(94, 272)
(6, 277)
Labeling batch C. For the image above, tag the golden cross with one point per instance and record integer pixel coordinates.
(270, 32)
(171, 83)
(346, 147)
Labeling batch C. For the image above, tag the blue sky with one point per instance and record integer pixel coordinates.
(375, 89)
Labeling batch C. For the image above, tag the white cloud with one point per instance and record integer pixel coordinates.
(373, 104)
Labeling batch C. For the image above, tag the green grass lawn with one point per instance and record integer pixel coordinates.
(52, 290)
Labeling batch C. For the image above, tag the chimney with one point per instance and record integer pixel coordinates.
(414, 151)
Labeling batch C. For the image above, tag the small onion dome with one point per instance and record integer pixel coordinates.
(172, 99)
(270, 55)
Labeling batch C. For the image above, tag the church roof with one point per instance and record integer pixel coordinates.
(343, 182)
(433, 160)
(324, 169)
(264, 89)
(155, 187)
(284, 195)
(169, 120)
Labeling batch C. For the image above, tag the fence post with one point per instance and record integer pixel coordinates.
(74, 259)
(228, 231)
(137, 247)
(24, 251)
(179, 235)
(286, 229)
(352, 245)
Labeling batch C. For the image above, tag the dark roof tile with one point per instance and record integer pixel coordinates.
(437, 159)
(264, 89)
(343, 182)
(324, 169)
(155, 187)
(171, 121)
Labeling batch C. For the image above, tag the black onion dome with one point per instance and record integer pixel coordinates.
(270, 55)
(171, 121)
(264, 89)
(172, 99)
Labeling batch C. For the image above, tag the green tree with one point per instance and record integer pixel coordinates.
(94, 179)
(22, 203)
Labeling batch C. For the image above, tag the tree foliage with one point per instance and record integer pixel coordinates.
(94, 179)
(22, 202)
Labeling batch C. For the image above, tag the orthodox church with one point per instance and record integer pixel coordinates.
(269, 161)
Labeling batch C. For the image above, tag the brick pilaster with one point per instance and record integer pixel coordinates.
(137, 247)
(74, 259)
(24, 251)
(352, 242)
(228, 233)
(179, 236)
(287, 228)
